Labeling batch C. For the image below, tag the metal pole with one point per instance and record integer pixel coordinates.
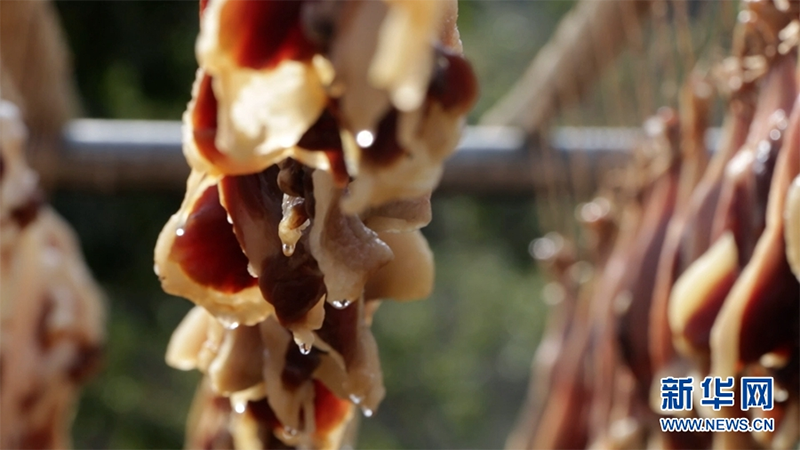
(110, 155)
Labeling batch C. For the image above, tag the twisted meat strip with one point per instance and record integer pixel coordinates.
(316, 132)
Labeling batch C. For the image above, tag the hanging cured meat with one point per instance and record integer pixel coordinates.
(51, 312)
(316, 133)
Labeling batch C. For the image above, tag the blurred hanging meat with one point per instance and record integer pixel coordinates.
(52, 311)
(316, 133)
(702, 276)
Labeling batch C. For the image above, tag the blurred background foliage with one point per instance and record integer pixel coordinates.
(456, 365)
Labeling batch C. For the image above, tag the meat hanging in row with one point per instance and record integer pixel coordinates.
(695, 267)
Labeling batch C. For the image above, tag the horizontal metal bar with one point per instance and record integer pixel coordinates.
(138, 154)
